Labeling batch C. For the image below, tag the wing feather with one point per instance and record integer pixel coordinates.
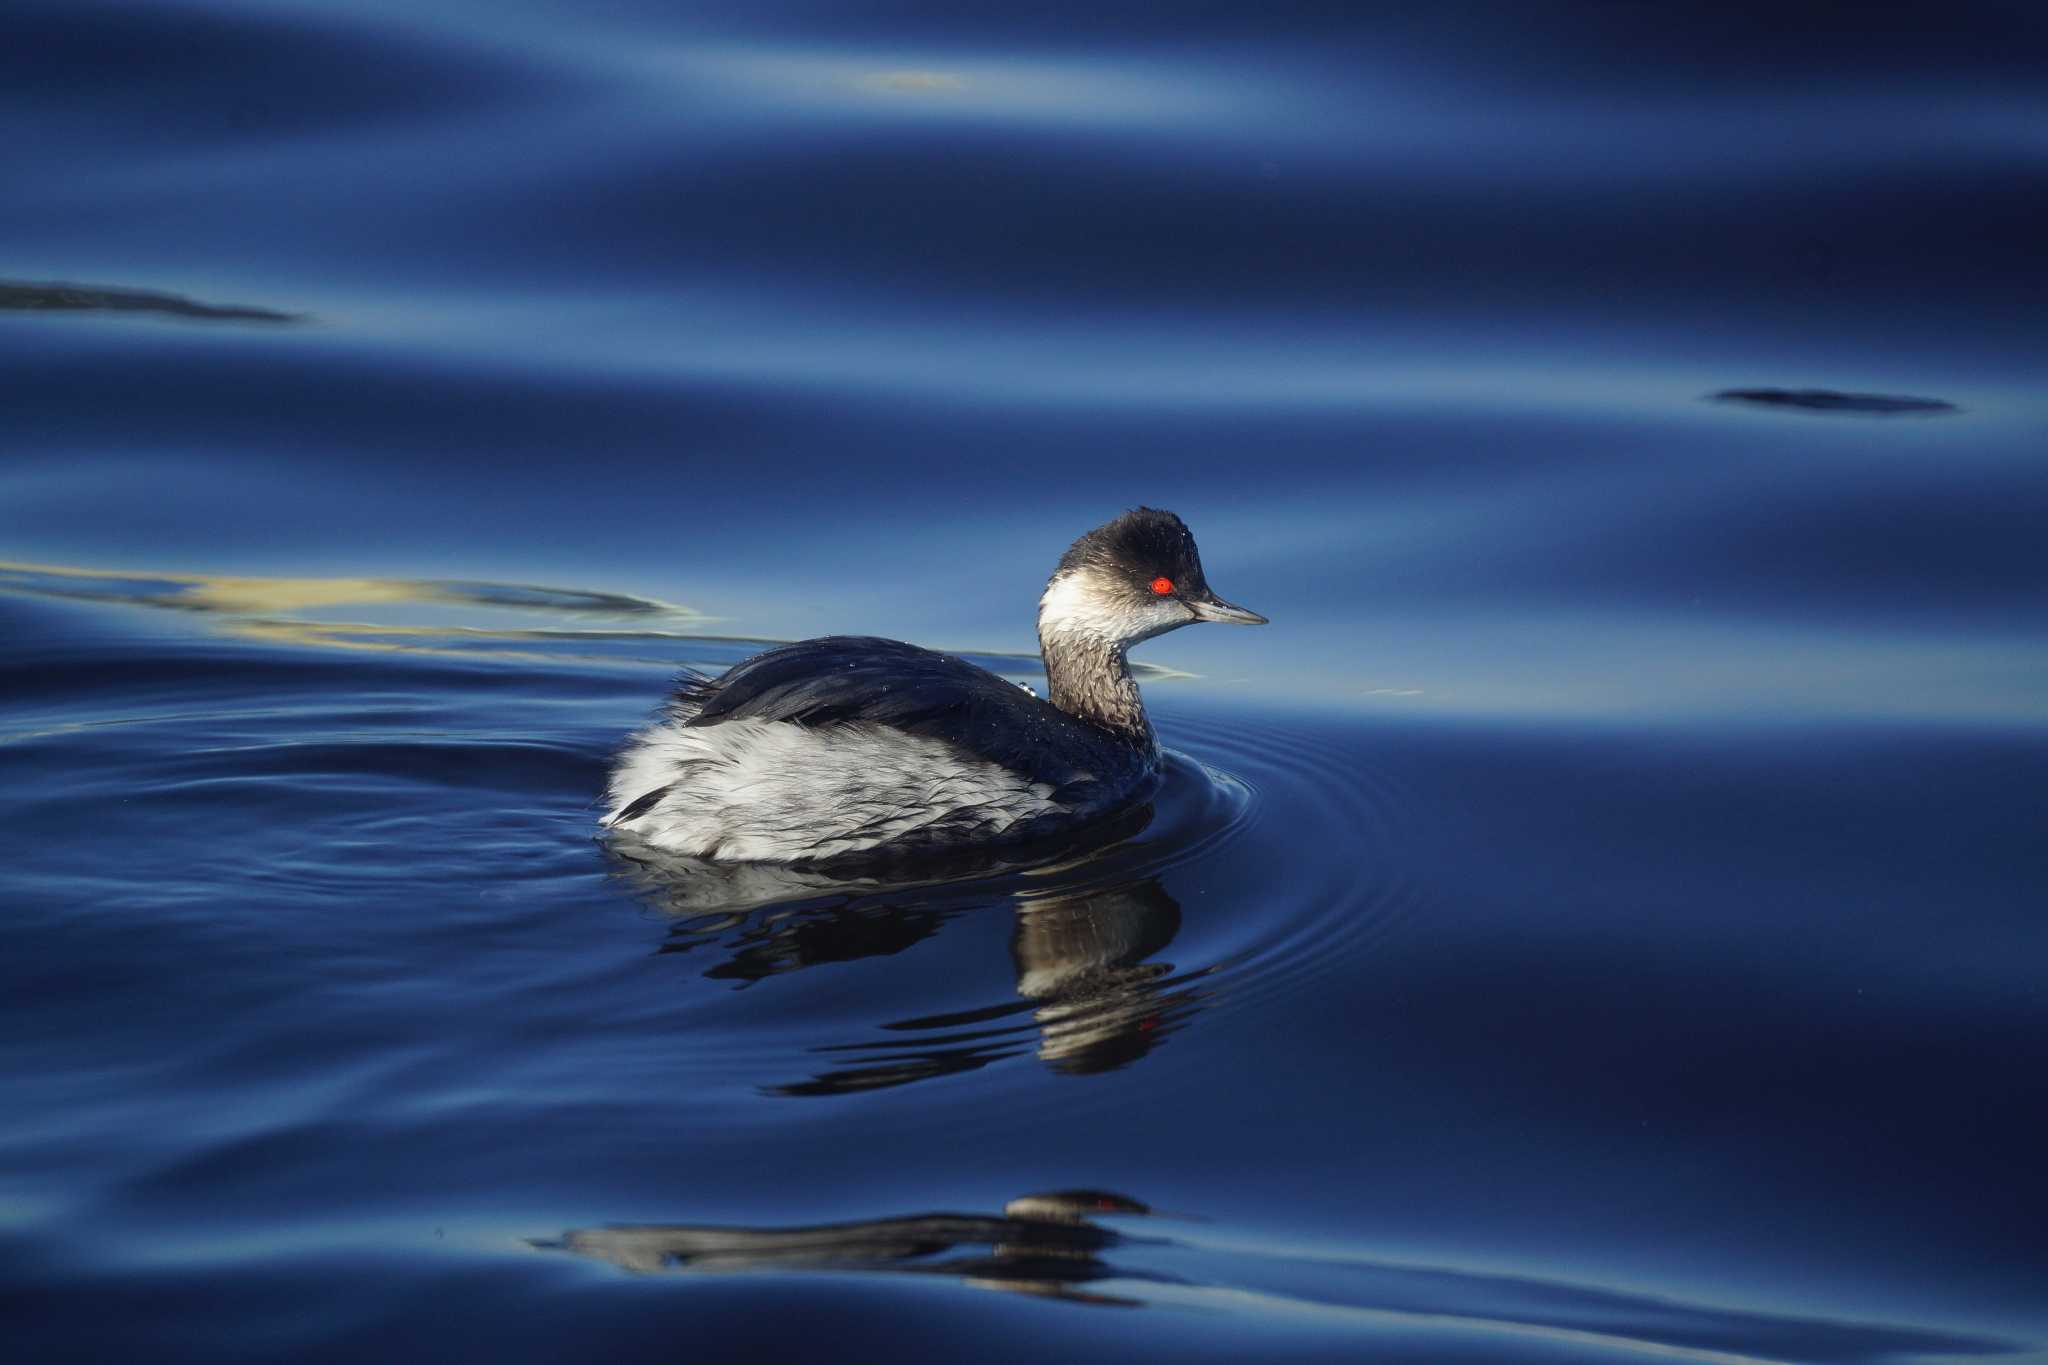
(861, 680)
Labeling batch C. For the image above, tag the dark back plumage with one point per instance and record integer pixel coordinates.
(849, 680)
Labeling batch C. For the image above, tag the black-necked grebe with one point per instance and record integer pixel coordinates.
(850, 746)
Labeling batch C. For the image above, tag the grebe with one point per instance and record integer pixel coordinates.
(851, 746)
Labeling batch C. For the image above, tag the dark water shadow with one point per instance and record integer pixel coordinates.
(1827, 400)
(22, 296)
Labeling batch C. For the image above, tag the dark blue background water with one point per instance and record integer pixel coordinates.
(1599, 918)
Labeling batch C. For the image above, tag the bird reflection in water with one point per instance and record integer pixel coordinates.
(1049, 1245)
(1043, 1244)
(1092, 998)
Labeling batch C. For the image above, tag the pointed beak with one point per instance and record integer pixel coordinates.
(1213, 608)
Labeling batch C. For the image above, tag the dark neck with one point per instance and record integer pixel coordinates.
(1092, 680)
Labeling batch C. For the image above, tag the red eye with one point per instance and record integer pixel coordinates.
(1162, 586)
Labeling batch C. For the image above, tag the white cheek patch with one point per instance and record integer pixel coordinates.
(1083, 603)
(1087, 604)
(1161, 615)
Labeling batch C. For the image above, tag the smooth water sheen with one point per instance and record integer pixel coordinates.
(1599, 919)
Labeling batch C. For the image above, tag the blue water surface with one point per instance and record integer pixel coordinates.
(1600, 918)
